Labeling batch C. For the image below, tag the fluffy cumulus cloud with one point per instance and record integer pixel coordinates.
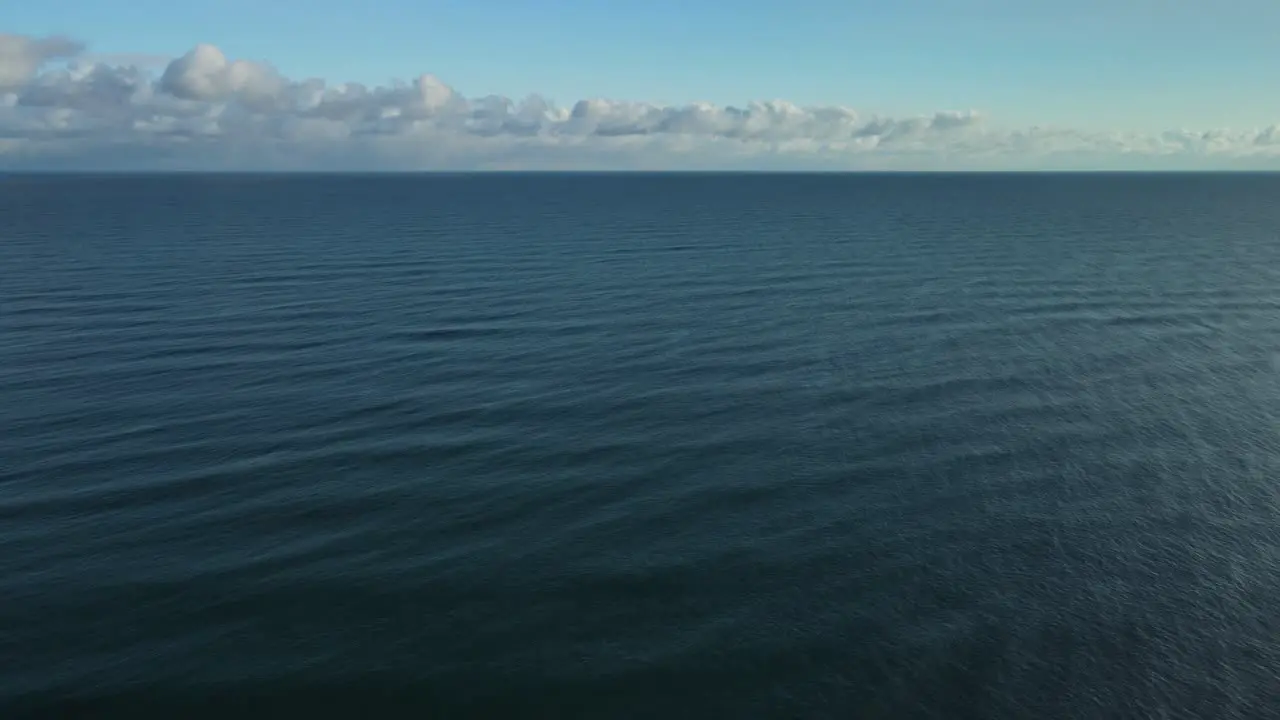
(62, 109)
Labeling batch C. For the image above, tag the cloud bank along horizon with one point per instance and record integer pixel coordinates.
(63, 109)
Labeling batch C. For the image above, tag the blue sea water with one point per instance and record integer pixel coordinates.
(868, 446)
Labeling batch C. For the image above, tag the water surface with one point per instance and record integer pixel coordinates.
(900, 446)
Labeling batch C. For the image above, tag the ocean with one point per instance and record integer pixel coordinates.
(633, 446)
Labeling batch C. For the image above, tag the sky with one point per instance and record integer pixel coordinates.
(711, 84)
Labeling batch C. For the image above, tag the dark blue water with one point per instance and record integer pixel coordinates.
(633, 446)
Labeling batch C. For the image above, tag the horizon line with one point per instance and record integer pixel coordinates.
(455, 173)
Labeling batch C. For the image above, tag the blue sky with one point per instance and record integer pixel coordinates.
(1128, 64)
(1089, 70)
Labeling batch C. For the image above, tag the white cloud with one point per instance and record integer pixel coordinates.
(22, 57)
(60, 108)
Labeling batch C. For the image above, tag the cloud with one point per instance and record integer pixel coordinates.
(205, 75)
(63, 109)
(22, 57)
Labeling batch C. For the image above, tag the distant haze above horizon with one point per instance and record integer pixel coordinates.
(576, 85)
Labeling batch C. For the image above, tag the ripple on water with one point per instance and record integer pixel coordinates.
(795, 446)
